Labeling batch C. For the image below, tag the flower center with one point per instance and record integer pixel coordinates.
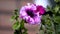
(30, 13)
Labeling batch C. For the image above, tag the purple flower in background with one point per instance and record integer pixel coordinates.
(41, 9)
(29, 14)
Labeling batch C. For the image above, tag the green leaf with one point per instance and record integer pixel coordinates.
(22, 24)
(48, 8)
(57, 0)
(57, 19)
(57, 28)
(16, 26)
(13, 17)
(16, 12)
(56, 8)
(16, 17)
(41, 32)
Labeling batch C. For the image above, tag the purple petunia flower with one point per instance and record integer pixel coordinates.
(29, 14)
(41, 9)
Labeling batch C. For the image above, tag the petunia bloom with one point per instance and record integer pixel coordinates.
(41, 9)
(29, 14)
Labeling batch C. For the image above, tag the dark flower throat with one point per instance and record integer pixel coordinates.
(30, 13)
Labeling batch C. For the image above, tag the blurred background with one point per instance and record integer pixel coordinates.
(6, 11)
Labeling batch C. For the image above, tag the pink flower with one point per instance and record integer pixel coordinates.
(29, 14)
(40, 9)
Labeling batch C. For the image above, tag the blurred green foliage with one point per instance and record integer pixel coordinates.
(51, 20)
(57, 0)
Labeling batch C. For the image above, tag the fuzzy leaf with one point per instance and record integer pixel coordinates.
(16, 26)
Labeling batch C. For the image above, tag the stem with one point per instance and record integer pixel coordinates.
(20, 31)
